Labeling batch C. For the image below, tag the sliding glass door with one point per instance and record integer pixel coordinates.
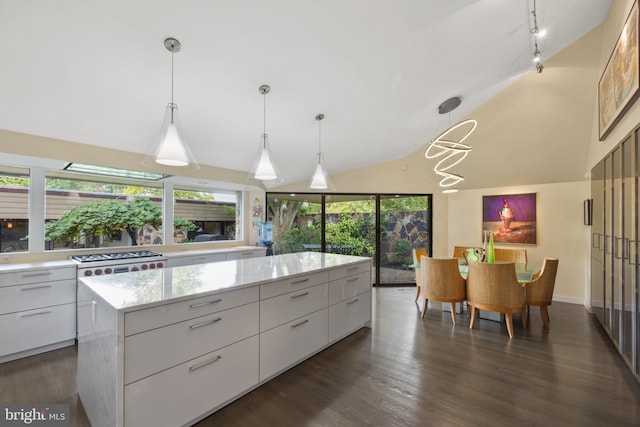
(405, 224)
(384, 227)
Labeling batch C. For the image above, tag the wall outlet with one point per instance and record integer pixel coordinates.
(5, 259)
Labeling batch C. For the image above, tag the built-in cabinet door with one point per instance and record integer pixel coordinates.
(628, 261)
(608, 241)
(618, 245)
(615, 247)
(635, 257)
(597, 241)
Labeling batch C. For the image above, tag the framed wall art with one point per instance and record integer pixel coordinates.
(511, 218)
(619, 85)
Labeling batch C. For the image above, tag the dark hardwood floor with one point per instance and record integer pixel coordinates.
(408, 371)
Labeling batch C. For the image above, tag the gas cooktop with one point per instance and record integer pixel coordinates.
(116, 256)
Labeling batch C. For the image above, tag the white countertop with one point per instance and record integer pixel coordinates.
(25, 266)
(143, 289)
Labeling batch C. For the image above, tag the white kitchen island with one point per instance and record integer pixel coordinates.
(171, 346)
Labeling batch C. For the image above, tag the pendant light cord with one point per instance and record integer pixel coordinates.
(172, 104)
(264, 122)
(319, 139)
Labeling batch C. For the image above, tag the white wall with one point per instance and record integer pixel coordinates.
(560, 231)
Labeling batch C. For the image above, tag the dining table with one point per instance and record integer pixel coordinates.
(524, 271)
(524, 275)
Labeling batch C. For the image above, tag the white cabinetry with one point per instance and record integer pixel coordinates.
(175, 396)
(349, 299)
(293, 325)
(293, 342)
(174, 373)
(177, 261)
(37, 310)
(178, 353)
(216, 255)
(246, 253)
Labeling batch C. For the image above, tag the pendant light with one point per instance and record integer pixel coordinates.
(264, 169)
(320, 178)
(172, 149)
(449, 150)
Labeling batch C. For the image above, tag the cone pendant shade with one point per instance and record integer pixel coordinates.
(319, 178)
(264, 168)
(171, 150)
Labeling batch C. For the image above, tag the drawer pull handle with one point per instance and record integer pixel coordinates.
(352, 268)
(209, 322)
(36, 314)
(246, 253)
(296, 282)
(353, 302)
(299, 295)
(353, 279)
(202, 304)
(46, 273)
(35, 287)
(203, 364)
(300, 323)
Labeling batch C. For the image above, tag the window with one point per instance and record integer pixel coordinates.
(14, 209)
(201, 215)
(83, 211)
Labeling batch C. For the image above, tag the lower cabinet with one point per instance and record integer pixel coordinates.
(284, 346)
(349, 315)
(197, 387)
(39, 328)
(37, 309)
(177, 362)
(152, 351)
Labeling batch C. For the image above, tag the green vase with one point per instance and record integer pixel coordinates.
(491, 253)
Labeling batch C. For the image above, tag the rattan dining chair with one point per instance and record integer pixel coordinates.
(511, 255)
(540, 289)
(458, 251)
(418, 253)
(441, 281)
(495, 287)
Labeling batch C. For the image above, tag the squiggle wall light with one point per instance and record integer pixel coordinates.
(453, 151)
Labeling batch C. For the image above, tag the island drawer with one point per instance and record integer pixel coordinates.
(36, 295)
(284, 346)
(156, 317)
(162, 348)
(348, 316)
(284, 308)
(350, 270)
(349, 287)
(36, 276)
(269, 290)
(178, 395)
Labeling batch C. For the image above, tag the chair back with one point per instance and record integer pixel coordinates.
(441, 279)
(540, 289)
(418, 253)
(511, 255)
(495, 287)
(458, 251)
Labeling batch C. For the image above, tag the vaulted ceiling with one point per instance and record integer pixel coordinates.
(98, 73)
